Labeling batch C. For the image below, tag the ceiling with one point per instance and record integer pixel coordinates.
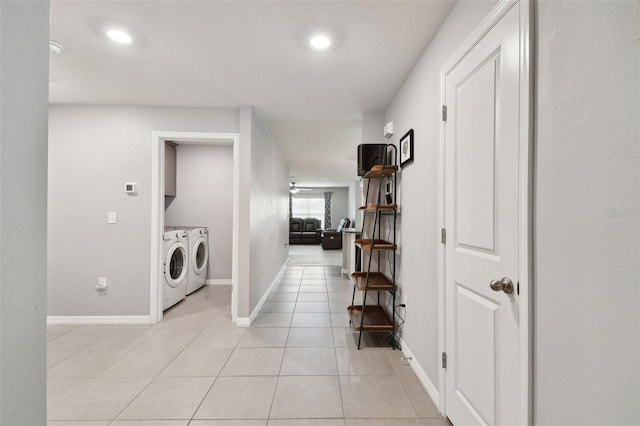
(234, 53)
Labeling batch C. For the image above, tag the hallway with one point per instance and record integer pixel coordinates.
(296, 365)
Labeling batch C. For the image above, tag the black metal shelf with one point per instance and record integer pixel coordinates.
(368, 317)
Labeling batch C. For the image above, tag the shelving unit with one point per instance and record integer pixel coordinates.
(371, 278)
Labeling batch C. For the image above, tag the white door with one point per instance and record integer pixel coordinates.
(481, 138)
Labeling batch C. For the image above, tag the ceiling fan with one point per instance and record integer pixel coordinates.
(295, 189)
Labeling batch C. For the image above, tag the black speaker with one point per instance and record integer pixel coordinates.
(370, 154)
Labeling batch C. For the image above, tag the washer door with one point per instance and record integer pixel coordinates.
(200, 256)
(175, 264)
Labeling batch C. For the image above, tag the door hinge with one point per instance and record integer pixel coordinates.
(443, 236)
(444, 113)
(444, 360)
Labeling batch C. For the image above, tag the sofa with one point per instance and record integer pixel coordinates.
(332, 238)
(304, 231)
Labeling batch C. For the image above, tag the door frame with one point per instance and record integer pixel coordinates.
(158, 140)
(525, 185)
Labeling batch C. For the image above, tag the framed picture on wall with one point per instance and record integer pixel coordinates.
(406, 149)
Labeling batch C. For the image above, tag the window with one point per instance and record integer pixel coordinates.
(308, 207)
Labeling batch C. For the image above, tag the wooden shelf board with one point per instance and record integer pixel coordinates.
(374, 207)
(377, 281)
(380, 171)
(375, 319)
(368, 245)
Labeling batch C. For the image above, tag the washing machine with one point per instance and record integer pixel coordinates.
(175, 269)
(198, 256)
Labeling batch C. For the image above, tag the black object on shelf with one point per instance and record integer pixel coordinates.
(369, 155)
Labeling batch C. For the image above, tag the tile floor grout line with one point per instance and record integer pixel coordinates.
(275, 390)
(152, 379)
(215, 380)
(178, 354)
(132, 399)
(335, 354)
(72, 327)
(86, 382)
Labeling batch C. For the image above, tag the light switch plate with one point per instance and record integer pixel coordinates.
(112, 217)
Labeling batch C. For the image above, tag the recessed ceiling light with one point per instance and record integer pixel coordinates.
(119, 36)
(55, 47)
(320, 41)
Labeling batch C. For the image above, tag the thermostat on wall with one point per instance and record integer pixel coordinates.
(131, 188)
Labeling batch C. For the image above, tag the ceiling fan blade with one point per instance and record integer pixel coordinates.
(295, 189)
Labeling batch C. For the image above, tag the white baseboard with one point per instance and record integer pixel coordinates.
(431, 389)
(219, 281)
(94, 319)
(246, 322)
(243, 322)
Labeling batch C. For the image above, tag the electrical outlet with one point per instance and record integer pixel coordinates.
(102, 283)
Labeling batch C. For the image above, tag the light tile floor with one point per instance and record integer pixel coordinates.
(296, 365)
(306, 255)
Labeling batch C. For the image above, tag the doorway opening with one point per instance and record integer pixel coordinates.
(158, 140)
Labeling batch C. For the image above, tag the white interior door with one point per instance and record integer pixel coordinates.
(481, 144)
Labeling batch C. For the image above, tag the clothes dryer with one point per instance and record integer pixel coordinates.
(175, 267)
(198, 258)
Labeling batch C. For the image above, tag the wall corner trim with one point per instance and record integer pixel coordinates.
(428, 385)
(95, 319)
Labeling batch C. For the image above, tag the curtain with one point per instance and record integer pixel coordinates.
(327, 210)
(290, 205)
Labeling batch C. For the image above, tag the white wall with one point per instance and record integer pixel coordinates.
(269, 209)
(205, 198)
(93, 151)
(587, 214)
(417, 106)
(24, 76)
(373, 127)
(351, 203)
(339, 205)
(355, 194)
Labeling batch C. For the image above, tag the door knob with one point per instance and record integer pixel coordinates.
(505, 284)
